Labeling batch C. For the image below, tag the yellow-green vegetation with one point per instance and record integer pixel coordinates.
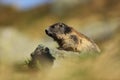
(105, 66)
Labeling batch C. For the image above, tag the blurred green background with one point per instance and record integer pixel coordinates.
(22, 25)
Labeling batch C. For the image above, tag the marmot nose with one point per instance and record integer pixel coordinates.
(46, 31)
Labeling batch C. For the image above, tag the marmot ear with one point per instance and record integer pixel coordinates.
(47, 49)
(67, 29)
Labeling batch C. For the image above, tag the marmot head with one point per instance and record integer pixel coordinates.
(42, 52)
(58, 29)
(41, 56)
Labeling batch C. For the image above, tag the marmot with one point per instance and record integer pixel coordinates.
(70, 40)
(41, 56)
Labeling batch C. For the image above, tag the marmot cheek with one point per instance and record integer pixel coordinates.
(67, 30)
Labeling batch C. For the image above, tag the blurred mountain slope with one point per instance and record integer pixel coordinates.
(9, 15)
(34, 21)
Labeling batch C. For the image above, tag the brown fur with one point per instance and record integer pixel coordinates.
(70, 40)
(42, 56)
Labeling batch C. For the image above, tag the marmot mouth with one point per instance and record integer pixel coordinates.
(51, 35)
(46, 31)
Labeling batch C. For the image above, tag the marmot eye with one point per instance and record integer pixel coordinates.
(52, 26)
(61, 25)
